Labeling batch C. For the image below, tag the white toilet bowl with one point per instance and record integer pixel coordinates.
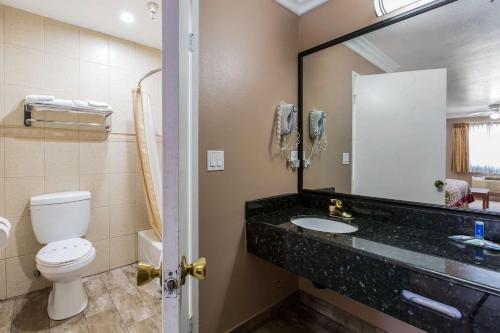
(63, 262)
(60, 220)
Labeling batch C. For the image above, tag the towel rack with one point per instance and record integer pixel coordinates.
(29, 107)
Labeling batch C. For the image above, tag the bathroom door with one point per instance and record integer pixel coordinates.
(180, 164)
(399, 135)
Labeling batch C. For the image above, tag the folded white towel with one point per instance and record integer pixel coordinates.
(98, 104)
(39, 98)
(61, 102)
(80, 103)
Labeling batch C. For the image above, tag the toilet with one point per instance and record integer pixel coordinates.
(60, 220)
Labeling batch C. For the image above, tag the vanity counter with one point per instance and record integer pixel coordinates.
(378, 262)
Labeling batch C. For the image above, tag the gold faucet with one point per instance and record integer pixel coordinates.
(335, 210)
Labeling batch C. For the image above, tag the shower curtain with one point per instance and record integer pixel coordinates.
(147, 148)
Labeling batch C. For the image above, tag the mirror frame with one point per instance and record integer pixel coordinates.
(379, 25)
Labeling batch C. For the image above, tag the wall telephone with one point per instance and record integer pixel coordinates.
(317, 133)
(286, 124)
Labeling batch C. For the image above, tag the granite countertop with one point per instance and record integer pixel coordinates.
(422, 250)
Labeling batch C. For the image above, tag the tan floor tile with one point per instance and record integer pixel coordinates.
(114, 279)
(6, 315)
(99, 299)
(150, 325)
(130, 305)
(106, 322)
(30, 313)
(76, 324)
(150, 293)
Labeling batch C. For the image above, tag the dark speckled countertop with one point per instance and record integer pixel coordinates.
(397, 248)
(426, 250)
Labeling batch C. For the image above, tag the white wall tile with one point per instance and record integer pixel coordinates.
(93, 81)
(23, 241)
(19, 191)
(61, 74)
(99, 224)
(20, 279)
(101, 262)
(24, 157)
(122, 220)
(93, 157)
(98, 185)
(54, 184)
(122, 54)
(123, 251)
(94, 47)
(43, 56)
(122, 157)
(61, 38)
(3, 280)
(123, 190)
(23, 66)
(14, 102)
(23, 28)
(62, 158)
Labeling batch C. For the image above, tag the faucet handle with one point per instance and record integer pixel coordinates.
(337, 202)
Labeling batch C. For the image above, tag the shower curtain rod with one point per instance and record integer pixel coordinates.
(148, 74)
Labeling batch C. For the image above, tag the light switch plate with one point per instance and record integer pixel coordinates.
(215, 160)
(346, 158)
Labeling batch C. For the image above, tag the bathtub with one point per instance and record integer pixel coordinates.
(149, 247)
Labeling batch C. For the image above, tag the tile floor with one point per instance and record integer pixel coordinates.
(116, 304)
(301, 319)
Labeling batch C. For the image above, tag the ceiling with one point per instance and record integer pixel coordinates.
(463, 37)
(300, 7)
(100, 15)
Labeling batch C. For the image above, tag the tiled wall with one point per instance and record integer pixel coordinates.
(42, 56)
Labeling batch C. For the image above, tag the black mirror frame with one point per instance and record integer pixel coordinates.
(379, 25)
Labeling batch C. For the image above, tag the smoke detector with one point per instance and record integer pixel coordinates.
(153, 9)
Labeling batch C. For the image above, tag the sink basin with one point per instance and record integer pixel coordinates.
(323, 224)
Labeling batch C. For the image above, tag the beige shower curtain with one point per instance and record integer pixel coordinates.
(146, 147)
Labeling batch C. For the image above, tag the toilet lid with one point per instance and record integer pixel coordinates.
(63, 252)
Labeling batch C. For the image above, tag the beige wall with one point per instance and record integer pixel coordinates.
(43, 56)
(328, 87)
(248, 65)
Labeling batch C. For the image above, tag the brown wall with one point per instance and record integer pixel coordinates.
(337, 18)
(248, 61)
(328, 87)
(334, 19)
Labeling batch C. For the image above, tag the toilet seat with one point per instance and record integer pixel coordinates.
(66, 255)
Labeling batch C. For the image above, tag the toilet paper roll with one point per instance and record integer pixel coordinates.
(4, 231)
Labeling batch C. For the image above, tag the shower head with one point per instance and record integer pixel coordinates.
(153, 9)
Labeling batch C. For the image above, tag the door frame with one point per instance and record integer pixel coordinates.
(180, 159)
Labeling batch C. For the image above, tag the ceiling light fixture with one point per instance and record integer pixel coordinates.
(383, 7)
(127, 17)
(153, 9)
(495, 111)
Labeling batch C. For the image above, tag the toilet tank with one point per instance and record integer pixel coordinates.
(58, 216)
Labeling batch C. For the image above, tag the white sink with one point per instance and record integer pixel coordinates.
(322, 224)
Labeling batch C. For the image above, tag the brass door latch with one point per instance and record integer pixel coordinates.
(147, 273)
(197, 269)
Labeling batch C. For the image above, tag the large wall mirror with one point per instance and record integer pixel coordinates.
(408, 109)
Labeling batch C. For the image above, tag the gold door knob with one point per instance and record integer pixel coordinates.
(197, 269)
(146, 273)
